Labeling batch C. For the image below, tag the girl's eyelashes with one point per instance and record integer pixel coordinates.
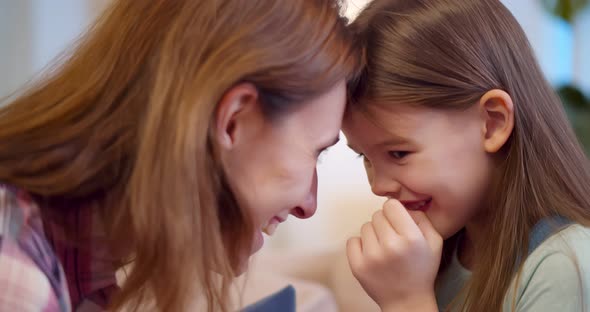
(398, 155)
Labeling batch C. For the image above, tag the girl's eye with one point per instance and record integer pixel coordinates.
(398, 154)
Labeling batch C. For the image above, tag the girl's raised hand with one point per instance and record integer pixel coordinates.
(396, 258)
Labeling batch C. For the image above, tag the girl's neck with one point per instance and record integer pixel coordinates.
(466, 250)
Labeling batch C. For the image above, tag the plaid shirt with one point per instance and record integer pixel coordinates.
(38, 272)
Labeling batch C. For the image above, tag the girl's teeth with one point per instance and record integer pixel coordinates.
(418, 205)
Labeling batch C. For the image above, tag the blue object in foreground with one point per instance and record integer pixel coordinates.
(281, 301)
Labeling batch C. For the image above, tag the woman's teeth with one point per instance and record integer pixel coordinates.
(270, 229)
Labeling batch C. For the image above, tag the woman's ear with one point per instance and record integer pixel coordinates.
(497, 110)
(234, 113)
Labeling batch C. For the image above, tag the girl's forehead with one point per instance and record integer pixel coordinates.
(371, 126)
(393, 116)
(406, 121)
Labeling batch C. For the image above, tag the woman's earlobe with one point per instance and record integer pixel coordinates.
(498, 111)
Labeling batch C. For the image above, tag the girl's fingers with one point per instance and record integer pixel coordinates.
(400, 219)
(369, 241)
(383, 229)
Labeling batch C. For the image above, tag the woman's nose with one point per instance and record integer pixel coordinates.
(309, 206)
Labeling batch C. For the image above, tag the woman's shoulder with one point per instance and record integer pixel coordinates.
(20, 218)
(30, 271)
(17, 208)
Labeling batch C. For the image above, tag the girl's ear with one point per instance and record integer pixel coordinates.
(497, 111)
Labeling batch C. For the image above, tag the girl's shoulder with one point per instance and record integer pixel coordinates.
(556, 275)
(573, 240)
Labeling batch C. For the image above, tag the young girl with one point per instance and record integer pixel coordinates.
(171, 136)
(489, 189)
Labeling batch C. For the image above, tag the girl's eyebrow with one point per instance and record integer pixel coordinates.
(394, 140)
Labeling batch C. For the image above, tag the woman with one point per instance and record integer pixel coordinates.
(169, 138)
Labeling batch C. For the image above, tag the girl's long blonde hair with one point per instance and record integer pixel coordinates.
(445, 54)
(124, 125)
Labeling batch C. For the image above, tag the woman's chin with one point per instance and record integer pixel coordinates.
(257, 244)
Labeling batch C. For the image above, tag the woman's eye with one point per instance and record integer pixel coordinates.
(398, 154)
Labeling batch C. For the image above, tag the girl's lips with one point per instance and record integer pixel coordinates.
(417, 205)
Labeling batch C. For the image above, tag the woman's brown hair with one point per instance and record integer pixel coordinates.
(446, 54)
(124, 125)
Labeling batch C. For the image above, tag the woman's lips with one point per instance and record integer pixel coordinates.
(272, 225)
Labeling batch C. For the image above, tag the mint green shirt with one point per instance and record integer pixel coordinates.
(555, 277)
